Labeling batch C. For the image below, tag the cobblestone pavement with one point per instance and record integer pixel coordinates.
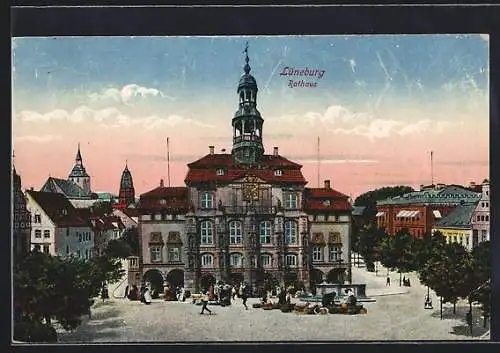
(392, 317)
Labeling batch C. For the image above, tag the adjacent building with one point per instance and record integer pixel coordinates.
(243, 216)
(76, 188)
(57, 228)
(419, 211)
(21, 220)
(456, 227)
(481, 216)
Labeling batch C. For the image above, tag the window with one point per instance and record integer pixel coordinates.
(482, 204)
(482, 218)
(207, 260)
(79, 237)
(326, 203)
(207, 200)
(291, 232)
(236, 260)
(45, 248)
(467, 240)
(316, 253)
(487, 218)
(487, 204)
(67, 249)
(174, 254)
(478, 218)
(291, 201)
(265, 232)
(46, 233)
(291, 260)
(38, 218)
(265, 260)
(155, 253)
(220, 171)
(334, 252)
(86, 254)
(235, 234)
(163, 202)
(207, 236)
(38, 233)
(278, 172)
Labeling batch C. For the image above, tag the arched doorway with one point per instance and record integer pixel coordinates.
(237, 278)
(175, 278)
(206, 281)
(155, 278)
(335, 276)
(315, 277)
(290, 279)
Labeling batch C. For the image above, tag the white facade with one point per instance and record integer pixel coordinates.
(481, 217)
(42, 228)
(58, 240)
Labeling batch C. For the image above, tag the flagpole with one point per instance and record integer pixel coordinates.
(168, 163)
(432, 169)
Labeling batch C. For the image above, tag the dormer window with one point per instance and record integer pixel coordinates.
(278, 172)
(163, 202)
(327, 203)
(220, 171)
(64, 212)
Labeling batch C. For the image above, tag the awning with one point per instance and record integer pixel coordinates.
(437, 214)
(414, 213)
(401, 213)
(379, 214)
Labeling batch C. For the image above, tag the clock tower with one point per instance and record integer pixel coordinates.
(247, 122)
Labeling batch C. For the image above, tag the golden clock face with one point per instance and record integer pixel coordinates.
(251, 192)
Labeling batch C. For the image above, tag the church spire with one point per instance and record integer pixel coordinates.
(247, 67)
(78, 158)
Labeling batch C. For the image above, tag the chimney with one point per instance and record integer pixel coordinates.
(161, 183)
(327, 184)
(32, 189)
(211, 149)
(421, 187)
(472, 184)
(276, 151)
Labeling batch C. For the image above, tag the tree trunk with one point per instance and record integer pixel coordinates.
(400, 278)
(441, 305)
(471, 320)
(485, 318)
(454, 308)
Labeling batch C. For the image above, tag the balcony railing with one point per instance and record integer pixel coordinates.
(254, 209)
(246, 138)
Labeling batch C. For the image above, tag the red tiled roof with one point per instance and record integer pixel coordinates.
(205, 170)
(53, 205)
(326, 193)
(176, 200)
(315, 200)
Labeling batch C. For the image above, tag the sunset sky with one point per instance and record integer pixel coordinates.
(383, 103)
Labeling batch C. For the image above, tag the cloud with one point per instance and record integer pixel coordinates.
(38, 139)
(108, 118)
(128, 94)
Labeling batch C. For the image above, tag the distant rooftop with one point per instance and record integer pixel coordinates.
(447, 195)
(460, 217)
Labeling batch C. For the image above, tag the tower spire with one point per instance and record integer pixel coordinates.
(78, 158)
(246, 68)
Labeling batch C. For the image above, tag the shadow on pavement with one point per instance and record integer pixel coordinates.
(463, 328)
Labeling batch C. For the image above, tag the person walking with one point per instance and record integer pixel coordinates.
(233, 292)
(147, 296)
(388, 282)
(244, 295)
(204, 301)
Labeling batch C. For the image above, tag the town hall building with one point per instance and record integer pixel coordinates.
(244, 216)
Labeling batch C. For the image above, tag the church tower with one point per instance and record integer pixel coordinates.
(78, 174)
(247, 122)
(127, 192)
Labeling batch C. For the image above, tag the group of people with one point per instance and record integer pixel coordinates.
(223, 293)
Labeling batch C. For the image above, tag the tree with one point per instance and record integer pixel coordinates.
(481, 278)
(369, 241)
(127, 245)
(369, 199)
(397, 252)
(49, 287)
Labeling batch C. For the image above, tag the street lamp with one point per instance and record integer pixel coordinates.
(428, 301)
